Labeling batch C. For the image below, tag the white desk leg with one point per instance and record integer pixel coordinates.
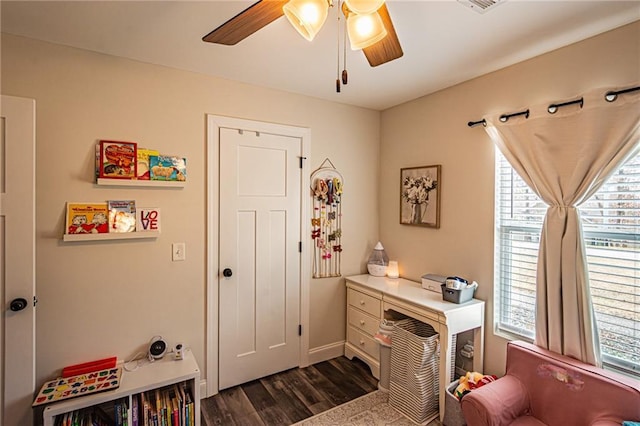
(478, 345)
(445, 365)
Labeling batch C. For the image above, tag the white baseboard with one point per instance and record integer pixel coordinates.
(326, 352)
(203, 389)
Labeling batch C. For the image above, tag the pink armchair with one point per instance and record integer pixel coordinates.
(544, 388)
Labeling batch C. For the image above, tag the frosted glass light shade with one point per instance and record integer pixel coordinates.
(365, 30)
(364, 6)
(392, 269)
(307, 16)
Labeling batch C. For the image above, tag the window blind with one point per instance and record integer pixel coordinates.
(611, 223)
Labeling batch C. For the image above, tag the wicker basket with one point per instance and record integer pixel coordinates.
(414, 383)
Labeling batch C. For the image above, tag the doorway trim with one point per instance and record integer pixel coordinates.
(18, 200)
(214, 124)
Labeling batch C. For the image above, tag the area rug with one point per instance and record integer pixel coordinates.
(370, 409)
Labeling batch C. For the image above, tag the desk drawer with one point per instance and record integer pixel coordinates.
(363, 322)
(364, 302)
(364, 343)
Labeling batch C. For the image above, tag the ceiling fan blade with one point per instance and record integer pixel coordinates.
(388, 48)
(247, 22)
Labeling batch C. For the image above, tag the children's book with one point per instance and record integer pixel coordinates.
(148, 219)
(144, 171)
(83, 384)
(169, 168)
(87, 218)
(118, 160)
(122, 215)
(135, 410)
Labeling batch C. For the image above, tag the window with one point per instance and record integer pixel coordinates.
(611, 224)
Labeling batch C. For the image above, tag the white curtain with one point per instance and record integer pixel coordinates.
(565, 157)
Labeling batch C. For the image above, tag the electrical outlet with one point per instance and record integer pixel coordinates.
(178, 252)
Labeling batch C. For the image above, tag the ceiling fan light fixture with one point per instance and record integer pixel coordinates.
(365, 30)
(307, 16)
(364, 6)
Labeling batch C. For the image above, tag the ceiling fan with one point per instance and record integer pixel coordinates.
(369, 25)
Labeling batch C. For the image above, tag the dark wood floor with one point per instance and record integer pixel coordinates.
(288, 397)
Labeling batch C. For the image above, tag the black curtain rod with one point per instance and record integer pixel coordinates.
(613, 95)
(505, 117)
(475, 123)
(609, 97)
(553, 108)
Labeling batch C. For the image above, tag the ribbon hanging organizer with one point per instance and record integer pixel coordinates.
(326, 221)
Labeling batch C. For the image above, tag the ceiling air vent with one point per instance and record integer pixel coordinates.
(481, 6)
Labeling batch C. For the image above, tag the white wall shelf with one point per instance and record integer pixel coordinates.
(147, 376)
(110, 236)
(140, 183)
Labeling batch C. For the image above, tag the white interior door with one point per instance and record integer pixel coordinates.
(259, 233)
(17, 256)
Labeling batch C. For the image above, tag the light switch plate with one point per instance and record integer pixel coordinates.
(178, 252)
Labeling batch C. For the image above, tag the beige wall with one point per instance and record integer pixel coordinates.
(433, 130)
(110, 298)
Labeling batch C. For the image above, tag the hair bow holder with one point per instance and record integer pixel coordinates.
(326, 221)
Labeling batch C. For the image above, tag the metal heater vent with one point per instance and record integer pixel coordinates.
(481, 6)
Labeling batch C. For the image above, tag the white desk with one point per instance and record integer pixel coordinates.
(370, 299)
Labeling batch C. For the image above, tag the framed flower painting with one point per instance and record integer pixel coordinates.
(420, 196)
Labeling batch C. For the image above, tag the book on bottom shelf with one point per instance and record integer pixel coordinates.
(171, 405)
(121, 413)
(86, 218)
(92, 416)
(122, 215)
(148, 219)
(135, 409)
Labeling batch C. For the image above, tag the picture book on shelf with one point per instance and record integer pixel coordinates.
(148, 219)
(168, 168)
(122, 215)
(87, 218)
(118, 160)
(168, 405)
(144, 170)
(83, 384)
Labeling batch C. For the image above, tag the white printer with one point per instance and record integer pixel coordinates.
(432, 282)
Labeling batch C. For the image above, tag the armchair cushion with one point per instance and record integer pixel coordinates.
(499, 403)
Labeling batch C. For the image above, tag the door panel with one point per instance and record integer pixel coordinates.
(245, 295)
(260, 190)
(17, 254)
(276, 294)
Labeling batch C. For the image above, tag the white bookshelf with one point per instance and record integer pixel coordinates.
(110, 236)
(148, 376)
(135, 182)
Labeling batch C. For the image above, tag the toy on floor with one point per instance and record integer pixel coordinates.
(472, 380)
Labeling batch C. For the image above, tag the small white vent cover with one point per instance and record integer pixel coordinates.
(481, 6)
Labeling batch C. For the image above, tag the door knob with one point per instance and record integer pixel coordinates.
(18, 304)
(227, 272)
